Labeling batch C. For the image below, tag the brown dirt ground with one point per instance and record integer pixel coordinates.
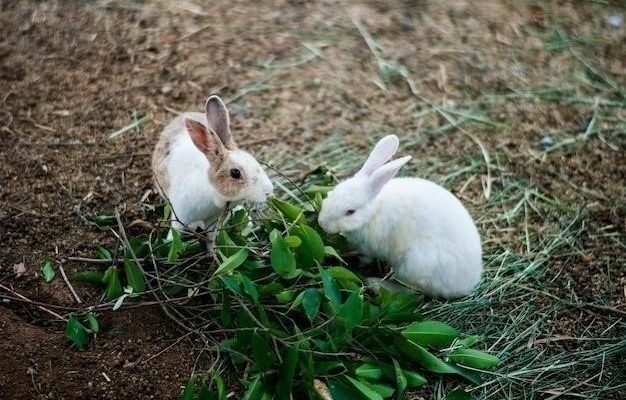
(73, 72)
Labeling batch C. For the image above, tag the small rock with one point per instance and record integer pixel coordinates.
(615, 21)
(167, 88)
(61, 113)
(19, 270)
(547, 141)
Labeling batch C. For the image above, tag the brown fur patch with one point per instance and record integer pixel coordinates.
(219, 172)
(219, 175)
(162, 150)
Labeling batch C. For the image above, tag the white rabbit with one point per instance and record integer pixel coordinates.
(419, 228)
(199, 169)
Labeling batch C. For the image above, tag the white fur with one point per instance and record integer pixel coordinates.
(192, 198)
(195, 201)
(418, 227)
(383, 151)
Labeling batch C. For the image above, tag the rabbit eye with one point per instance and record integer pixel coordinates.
(349, 212)
(235, 173)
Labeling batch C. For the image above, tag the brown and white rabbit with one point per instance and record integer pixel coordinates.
(198, 167)
(422, 230)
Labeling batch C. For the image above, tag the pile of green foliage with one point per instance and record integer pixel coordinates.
(286, 315)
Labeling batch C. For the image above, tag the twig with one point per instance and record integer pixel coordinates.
(133, 125)
(603, 308)
(97, 307)
(291, 181)
(69, 285)
(167, 312)
(167, 347)
(556, 394)
(483, 150)
(193, 33)
(26, 299)
(98, 260)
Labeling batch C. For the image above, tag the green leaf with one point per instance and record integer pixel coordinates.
(176, 246)
(221, 387)
(331, 291)
(311, 249)
(459, 394)
(273, 287)
(103, 219)
(430, 333)
(249, 287)
(352, 311)
(284, 296)
(417, 353)
(330, 251)
(239, 220)
(225, 244)
(383, 390)
(232, 262)
(232, 284)
(344, 273)
(107, 275)
(225, 313)
(311, 302)
(329, 368)
(255, 390)
(369, 371)
(287, 372)
(94, 325)
(190, 388)
(48, 271)
(76, 332)
(413, 379)
(317, 189)
(468, 341)
(139, 246)
(291, 212)
(103, 253)
(261, 352)
(94, 277)
(365, 389)
(134, 276)
(474, 358)
(114, 286)
(282, 259)
(401, 382)
(341, 391)
(120, 301)
(167, 212)
(205, 393)
(293, 241)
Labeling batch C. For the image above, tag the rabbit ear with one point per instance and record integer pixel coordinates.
(384, 174)
(217, 117)
(206, 141)
(383, 151)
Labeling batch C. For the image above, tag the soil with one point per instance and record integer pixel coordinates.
(74, 72)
